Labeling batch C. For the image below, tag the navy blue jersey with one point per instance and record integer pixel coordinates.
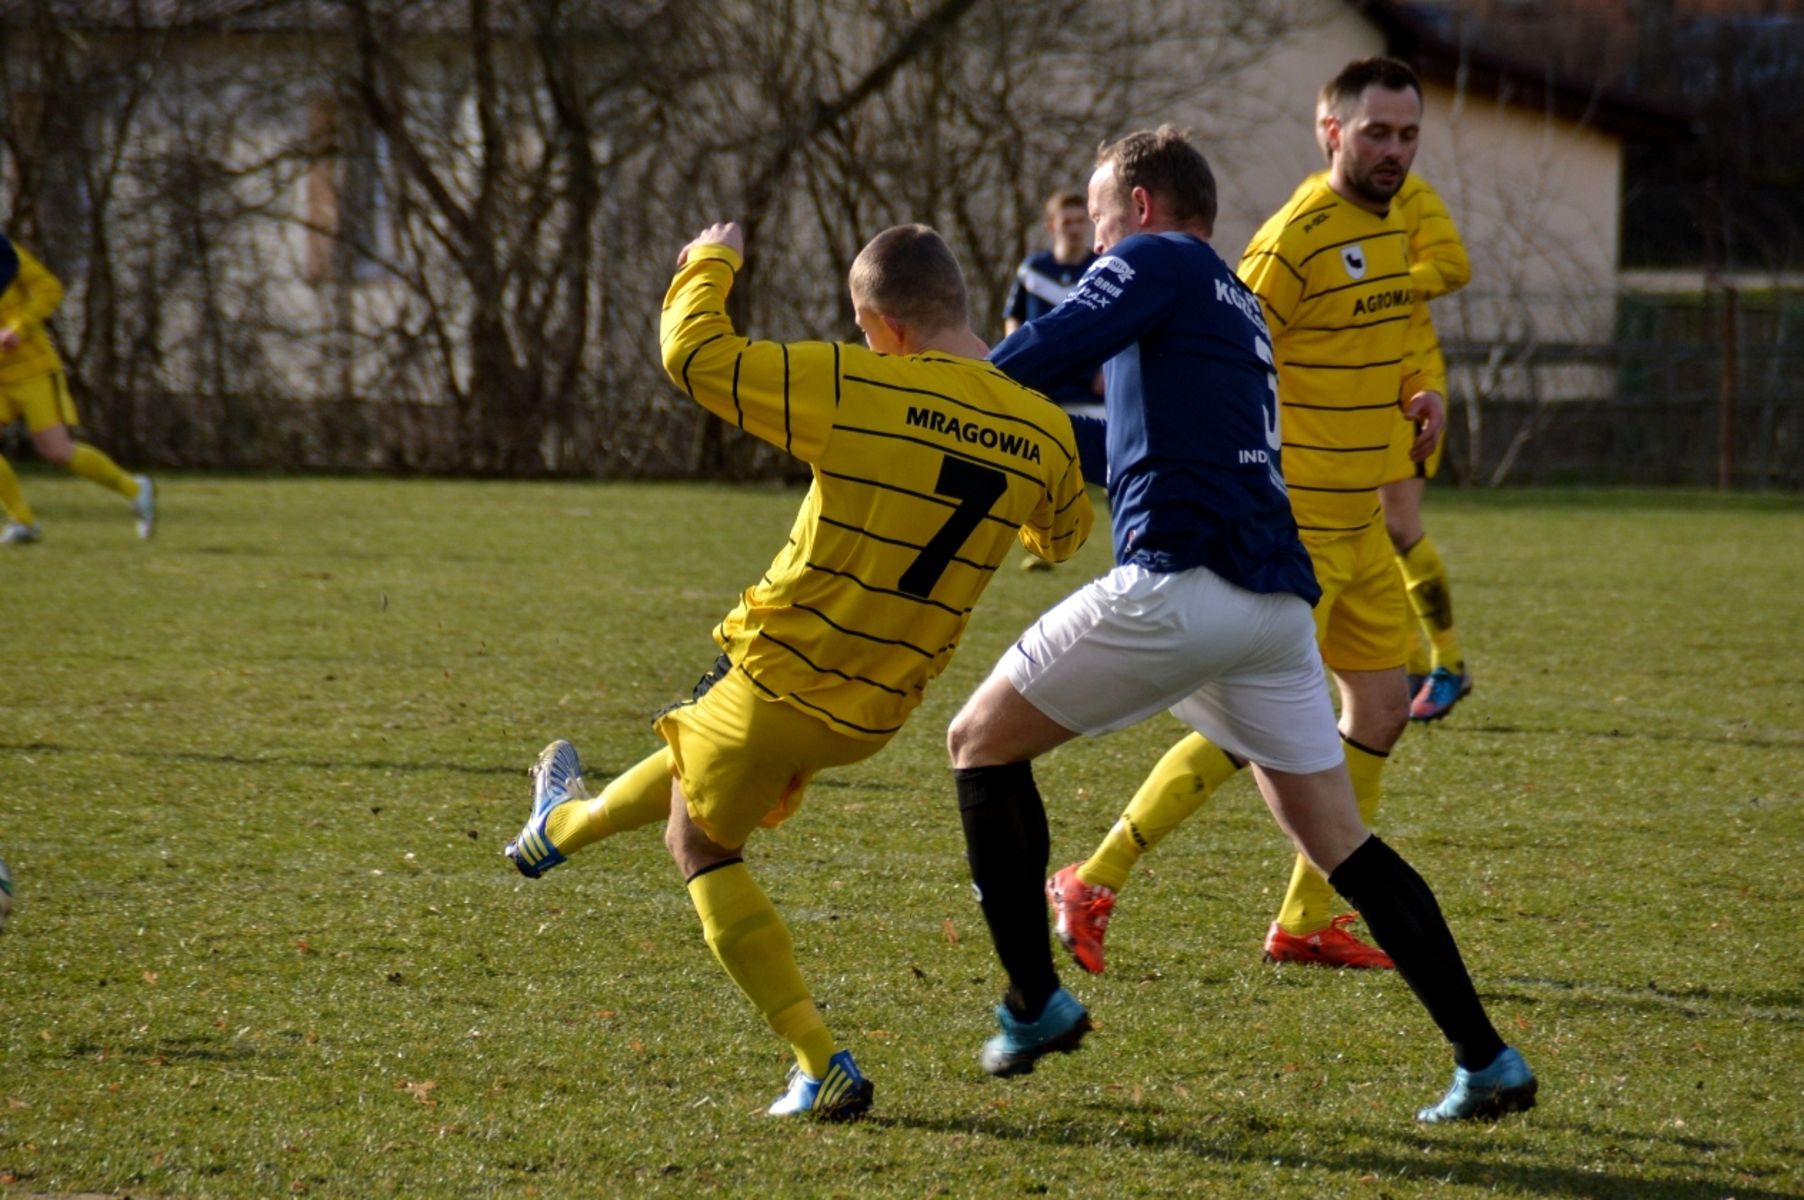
(9, 263)
(1041, 283)
(1191, 441)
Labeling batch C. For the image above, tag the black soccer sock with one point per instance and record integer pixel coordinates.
(1008, 848)
(1402, 914)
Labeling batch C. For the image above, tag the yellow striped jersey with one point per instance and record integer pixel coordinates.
(1334, 280)
(25, 306)
(927, 469)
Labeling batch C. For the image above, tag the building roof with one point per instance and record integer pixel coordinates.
(1476, 70)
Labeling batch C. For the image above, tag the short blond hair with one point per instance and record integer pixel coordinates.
(909, 273)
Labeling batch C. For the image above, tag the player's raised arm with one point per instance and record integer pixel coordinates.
(776, 391)
(1438, 263)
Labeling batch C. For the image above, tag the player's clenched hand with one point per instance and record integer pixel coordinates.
(721, 233)
(1429, 412)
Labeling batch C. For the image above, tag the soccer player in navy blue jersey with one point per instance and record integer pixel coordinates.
(1206, 614)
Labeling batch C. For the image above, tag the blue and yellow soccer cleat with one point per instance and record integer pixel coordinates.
(841, 1095)
(1443, 689)
(557, 778)
(1506, 1086)
(1062, 1024)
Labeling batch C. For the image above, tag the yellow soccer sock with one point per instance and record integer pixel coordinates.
(752, 943)
(1309, 903)
(636, 797)
(96, 467)
(1425, 575)
(12, 499)
(1177, 787)
(1421, 660)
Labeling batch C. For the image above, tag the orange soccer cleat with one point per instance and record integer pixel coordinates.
(1081, 915)
(1330, 947)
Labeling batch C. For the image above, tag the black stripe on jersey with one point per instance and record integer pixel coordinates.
(787, 446)
(995, 463)
(1346, 491)
(691, 359)
(930, 497)
(833, 716)
(818, 669)
(738, 408)
(1325, 206)
(888, 541)
(1368, 237)
(869, 637)
(836, 377)
(1337, 449)
(696, 316)
(1340, 408)
(1365, 524)
(880, 591)
(1357, 283)
(1392, 320)
(1282, 261)
(1070, 452)
(1312, 366)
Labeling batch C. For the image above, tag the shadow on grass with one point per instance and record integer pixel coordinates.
(1239, 1140)
(1779, 742)
(1782, 1007)
(261, 760)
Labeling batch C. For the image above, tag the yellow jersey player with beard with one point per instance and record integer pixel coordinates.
(1332, 271)
(929, 465)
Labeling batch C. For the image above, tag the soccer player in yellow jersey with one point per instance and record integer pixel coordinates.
(1438, 266)
(1333, 274)
(929, 465)
(33, 386)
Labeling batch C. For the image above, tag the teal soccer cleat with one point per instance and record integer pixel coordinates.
(1439, 693)
(1062, 1024)
(841, 1095)
(145, 506)
(557, 778)
(1506, 1086)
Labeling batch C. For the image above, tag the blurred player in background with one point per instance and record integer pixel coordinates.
(1438, 266)
(33, 386)
(929, 465)
(1042, 281)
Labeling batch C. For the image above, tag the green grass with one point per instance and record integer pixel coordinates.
(255, 776)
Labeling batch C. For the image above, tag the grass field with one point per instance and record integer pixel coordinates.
(255, 778)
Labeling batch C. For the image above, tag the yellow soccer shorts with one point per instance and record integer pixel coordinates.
(44, 401)
(744, 760)
(1363, 620)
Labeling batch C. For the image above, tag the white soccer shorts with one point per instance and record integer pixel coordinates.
(1240, 668)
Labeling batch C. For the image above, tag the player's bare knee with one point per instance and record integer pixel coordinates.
(53, 449)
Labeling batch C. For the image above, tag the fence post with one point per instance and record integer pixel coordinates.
(1725, 398)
